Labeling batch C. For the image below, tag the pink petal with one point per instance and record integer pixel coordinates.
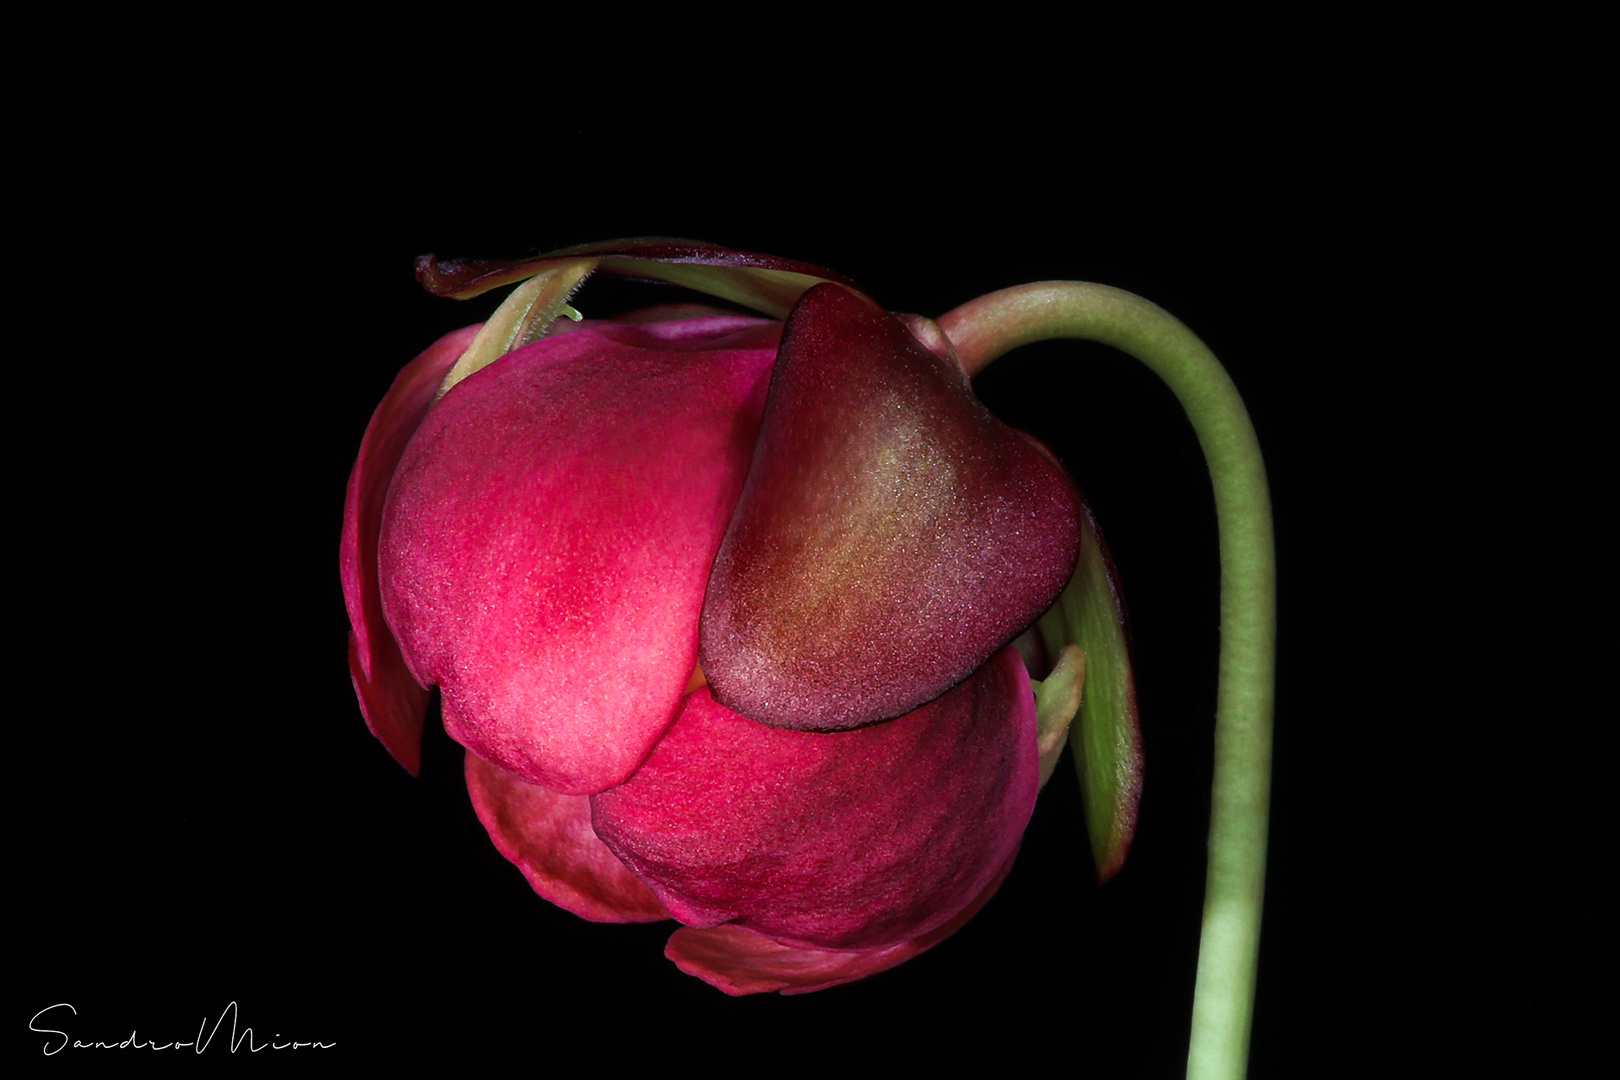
(849, 840)
(548, 836)
(549, 532)
(392, 701)
(892, 534)
(741, 962)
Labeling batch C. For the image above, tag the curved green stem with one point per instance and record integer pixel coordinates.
(1223, 1000)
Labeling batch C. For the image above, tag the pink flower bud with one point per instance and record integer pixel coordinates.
(719, 605)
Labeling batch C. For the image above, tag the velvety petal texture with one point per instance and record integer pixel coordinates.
(720, 606)
(548, 836)
(392, 701)
(741, 962)
(550, 529)
(852, 840)
(892, 535)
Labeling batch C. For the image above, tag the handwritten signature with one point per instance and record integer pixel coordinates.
(237, 1040)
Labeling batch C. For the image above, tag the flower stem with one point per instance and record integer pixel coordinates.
(983, 329)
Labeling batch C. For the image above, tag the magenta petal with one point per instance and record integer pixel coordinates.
(849, 840)
(550, 529)
(741, 962)
(892, 534)
(548, 836)
(392, 701)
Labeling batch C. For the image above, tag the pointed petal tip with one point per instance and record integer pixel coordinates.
(1106, 740)
(394, 706)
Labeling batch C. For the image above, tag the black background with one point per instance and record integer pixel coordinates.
(1384, 232)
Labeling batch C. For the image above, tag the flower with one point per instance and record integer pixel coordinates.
(720, 606)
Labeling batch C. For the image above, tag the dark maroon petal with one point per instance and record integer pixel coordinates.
(740, 961)
(766, 283)
(548, 836)
(549, 533)
(847, 840)
(892, 534)
(392, 701)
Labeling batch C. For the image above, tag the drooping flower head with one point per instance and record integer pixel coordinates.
(719, 604)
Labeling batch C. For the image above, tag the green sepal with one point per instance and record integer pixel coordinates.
(526, 315)
(1106, 739)
(1057, 699)
(768, 284)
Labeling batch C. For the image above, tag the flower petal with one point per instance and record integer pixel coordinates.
(764, 283)
(548, 836)
(392, 701)
(892, 534)
(740, 961)
(851, 840)
(550, 529)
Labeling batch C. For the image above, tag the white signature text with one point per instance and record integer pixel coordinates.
(237, 1038)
